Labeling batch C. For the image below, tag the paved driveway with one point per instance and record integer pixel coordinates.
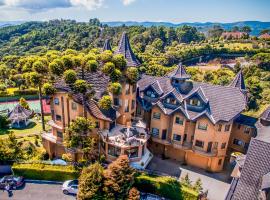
(37, 191)
(217, 184)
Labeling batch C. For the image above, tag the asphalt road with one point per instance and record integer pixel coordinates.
(37, 191)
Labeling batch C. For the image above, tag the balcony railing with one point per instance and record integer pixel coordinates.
(185, 145)
(158, 140)
(49, 136)
(199, 150)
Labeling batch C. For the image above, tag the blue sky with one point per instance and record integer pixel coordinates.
(137, 10)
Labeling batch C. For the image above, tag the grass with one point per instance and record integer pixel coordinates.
(34, 128)
(164, 186)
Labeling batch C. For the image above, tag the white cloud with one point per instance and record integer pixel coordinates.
(89, 4)
(50, 4)
(127, 2)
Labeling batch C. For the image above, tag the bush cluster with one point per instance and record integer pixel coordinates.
(45, 172)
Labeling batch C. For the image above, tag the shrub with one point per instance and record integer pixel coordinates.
(132, 74)
(45, 172)
(48, 89)
(108, 68)
(105, 102)
(92, 65)
(25, 92)
(115, 88)
(164, 186)
(70, 76)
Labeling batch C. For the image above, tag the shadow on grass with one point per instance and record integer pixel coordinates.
(31, 125)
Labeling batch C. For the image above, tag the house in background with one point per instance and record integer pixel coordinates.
(233, 35)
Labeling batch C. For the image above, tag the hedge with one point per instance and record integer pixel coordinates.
(45, 172)
(25, 92)
(164, 186)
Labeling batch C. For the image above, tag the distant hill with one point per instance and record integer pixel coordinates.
(256, 26)
(10, 23)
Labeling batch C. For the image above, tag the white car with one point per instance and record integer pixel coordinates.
(70, 187)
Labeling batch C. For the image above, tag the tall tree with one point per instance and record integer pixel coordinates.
(119, 178)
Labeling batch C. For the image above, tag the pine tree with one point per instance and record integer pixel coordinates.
(119, 177)
(91, 183)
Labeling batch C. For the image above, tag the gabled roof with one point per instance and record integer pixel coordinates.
(238, 81)
(256, 166)
(19, 113)
(200, 93)
(124, 48)
(179, 72)
(266, 114)
(99, 82)
(246, 120)
(224, 102)
(107, 45)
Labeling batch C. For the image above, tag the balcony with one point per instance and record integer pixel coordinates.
(158, 140)
(200, 151)
(184, 146)
(54, 125)
(49, 136)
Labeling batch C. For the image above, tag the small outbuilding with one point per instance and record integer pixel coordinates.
(19, 117)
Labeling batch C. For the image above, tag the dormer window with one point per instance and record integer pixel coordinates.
(150, 94)
(171, 101)
(195, 102)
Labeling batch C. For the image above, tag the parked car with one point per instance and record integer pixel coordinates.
(70, 187)
(14, 181)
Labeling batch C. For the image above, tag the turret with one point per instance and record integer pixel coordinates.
(124, 48)
(179, 78)
(238, 81)
(107, 45)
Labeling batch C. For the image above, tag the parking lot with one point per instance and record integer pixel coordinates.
(37, 191)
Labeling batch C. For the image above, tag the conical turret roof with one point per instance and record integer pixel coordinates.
(238, 81)
(19, 113)
(107, 45)
(179, 73)
(124, 48)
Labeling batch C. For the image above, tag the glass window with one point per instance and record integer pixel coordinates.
(58, 117)
(134, 87)
(247, 130)
(74, 106)
(56, 101)
(132, 153)
(202, 126)
(178, 120)
(239, 126)
(199, 143)
(97, 124)
(223, 145)
(156, 115)
(116, 101)
(150, 93)
(238, 142)
(227, 127)
(170, 101)
(114, 151)
(177, 137)
(59, 134)
(155, 132)
(195, 102)
(219, 127)
(126, 106)
(127, 88)
(132, 104)
(219, 161)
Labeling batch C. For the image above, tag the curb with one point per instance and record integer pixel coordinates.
(43, 182)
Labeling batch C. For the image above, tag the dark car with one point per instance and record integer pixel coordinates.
(14, 181)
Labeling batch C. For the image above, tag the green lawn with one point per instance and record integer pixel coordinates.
(164, 186)
(33, 129)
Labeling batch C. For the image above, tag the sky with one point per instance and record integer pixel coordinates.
(175, 11)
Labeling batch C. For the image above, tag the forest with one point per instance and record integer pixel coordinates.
(58, 45)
